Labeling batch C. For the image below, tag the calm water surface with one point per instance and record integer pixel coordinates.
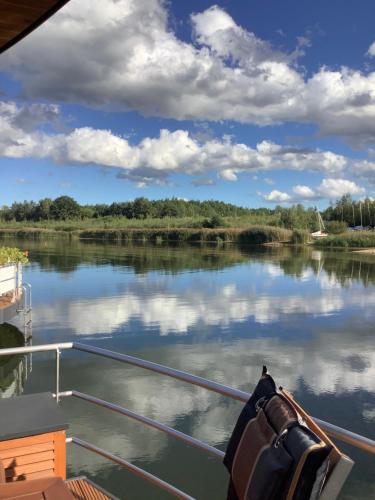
(218, 313)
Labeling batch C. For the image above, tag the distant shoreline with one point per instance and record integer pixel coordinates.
(251, 235)
(273, 236)
(367, 251)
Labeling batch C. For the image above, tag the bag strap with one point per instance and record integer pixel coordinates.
(2, 473)
(335, 454)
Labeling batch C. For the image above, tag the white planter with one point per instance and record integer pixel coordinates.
(10, 278)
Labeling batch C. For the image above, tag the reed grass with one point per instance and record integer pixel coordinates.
(250, 235)
(300, 237)
(352, 239)
(113, 222)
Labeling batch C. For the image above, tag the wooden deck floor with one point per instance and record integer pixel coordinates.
(84, 489)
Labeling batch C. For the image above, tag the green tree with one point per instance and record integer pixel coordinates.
(87, 212)
(23, 210)
(141, 208)
(43, 209)
(64, 208)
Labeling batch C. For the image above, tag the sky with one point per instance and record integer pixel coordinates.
(256, 103)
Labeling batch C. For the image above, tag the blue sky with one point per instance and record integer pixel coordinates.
(255, 103)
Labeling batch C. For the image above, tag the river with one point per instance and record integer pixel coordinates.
(217, 312)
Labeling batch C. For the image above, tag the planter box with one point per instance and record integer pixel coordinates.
(10, 278)
(10, 291)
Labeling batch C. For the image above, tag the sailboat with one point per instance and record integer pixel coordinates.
(321, 233)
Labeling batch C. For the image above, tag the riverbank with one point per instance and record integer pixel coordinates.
(250, 235)
(352, 239)
(168, 222)
(368, 251)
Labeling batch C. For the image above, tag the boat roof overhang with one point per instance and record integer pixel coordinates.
(18, 18)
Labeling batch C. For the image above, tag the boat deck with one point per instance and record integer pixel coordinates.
(84, 489)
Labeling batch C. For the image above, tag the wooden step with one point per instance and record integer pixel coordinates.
(84, 489)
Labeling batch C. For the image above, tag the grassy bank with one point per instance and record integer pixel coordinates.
(253, 235)
(112, 222)
(353, 239)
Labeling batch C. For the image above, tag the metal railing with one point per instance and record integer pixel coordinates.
(334, 431)
(165, 370)
(132, 468)
(27, 292)
(147, 421)
(26, 310)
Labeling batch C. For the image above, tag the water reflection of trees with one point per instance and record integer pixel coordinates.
(343, 267)
(13, 369)
(66, 255)
(13, 376)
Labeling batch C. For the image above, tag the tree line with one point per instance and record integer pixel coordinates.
(352, 213)
(65, 208)
(344, 210)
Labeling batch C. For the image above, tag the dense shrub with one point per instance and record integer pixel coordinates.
(336, 227)
(258, 235)
(214, 222)
(354, 239)
(12, 256)
(253, 235)
(300, 237)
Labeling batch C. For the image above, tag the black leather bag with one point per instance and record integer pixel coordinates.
(273, 454)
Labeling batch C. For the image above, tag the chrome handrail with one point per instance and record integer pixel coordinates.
(349, 437)
(132, 468)
(8, 351)
(149, 422)
(27, 288)
(165, 370)
(336, 432)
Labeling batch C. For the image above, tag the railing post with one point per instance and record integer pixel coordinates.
(58, 354)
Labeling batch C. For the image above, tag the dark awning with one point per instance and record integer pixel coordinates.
(18, 18)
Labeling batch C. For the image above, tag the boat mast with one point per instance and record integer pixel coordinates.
(320, 220)
(321, 223)
(317, 215)
(353, 214)
(369, 214)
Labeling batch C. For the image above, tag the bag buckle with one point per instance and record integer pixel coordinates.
(259, 404)
(280, 438)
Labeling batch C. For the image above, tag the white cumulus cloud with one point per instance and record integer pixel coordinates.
(329, 188)
(303, 192)
(124, 55)
(334, 188)
(371, 50)
(153, 159)
(277, 196)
